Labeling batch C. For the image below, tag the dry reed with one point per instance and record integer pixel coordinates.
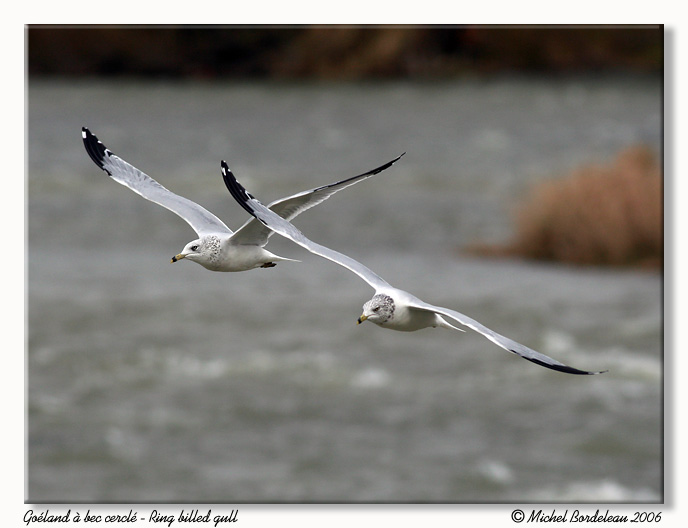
(598, 215)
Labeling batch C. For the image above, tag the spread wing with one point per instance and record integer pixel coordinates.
(255, 232)
(279, 225)
(499, 340)
(201, 220)
(284, 228)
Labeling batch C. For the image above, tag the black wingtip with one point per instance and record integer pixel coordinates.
(95, 149)
(563, 368)
(240, 194)
(386, 165)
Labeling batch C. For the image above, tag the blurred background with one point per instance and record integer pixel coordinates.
(530, 198)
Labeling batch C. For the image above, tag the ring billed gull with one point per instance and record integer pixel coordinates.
(390, 307)
(217, 248)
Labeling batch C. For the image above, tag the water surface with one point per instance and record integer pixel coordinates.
(153, 382)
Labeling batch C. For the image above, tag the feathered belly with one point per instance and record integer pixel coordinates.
(405, 320)
(241, 258)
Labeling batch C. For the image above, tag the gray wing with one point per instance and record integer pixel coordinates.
(256, 233)
(201, 220)
(499, 340)
(279, 225)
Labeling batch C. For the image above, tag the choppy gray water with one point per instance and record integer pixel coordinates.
(151, 382)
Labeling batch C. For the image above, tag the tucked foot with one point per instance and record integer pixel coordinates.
(269, 265)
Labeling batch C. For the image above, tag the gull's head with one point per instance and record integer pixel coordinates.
(204, 251)
(378, 310)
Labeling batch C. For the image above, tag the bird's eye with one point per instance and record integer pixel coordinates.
(194, 248)
(376, 309)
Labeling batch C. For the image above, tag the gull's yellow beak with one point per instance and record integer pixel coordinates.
(362, 318)
(176, 258)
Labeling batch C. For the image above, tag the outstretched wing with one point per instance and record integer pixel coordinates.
(278, 224)
(256, 233)
(499, 340)
(286, 229)
(200, 219)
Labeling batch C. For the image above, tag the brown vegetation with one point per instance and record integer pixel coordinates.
(342, 52)
(599, 215)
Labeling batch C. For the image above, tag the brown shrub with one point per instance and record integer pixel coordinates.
(599, 215)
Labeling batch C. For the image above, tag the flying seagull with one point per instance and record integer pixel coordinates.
(217, 248)
(390, 307)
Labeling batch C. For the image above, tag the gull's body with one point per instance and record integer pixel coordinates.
(390, 307)
(217, 247)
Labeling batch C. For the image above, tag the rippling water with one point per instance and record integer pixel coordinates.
(151, 382)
